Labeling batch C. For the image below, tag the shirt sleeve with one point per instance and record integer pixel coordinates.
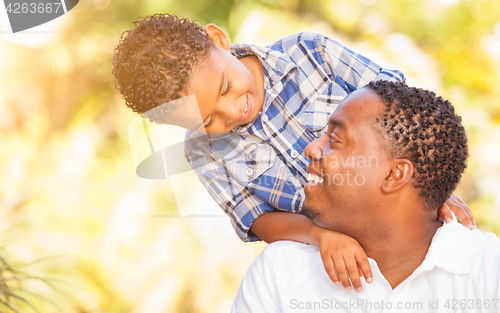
(237, 198)
(352, 70)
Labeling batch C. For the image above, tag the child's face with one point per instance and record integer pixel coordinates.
(226, 90)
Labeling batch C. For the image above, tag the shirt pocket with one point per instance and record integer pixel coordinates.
(255, 157)
(315, 116)
(243, 159)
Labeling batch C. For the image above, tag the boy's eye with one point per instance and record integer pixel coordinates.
(210, 120)
(228, 87)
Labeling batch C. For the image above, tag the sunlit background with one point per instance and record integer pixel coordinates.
(80, 232)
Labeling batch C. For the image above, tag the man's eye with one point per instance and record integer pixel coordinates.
(332, 139)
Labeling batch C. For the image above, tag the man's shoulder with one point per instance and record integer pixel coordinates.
(279, 259)
(457, 249)
(287, 246)
(485, 247)
(475, 240)
(488, 247)
(288, 253)
(277, 276)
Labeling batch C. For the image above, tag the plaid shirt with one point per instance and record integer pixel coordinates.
(261, 166)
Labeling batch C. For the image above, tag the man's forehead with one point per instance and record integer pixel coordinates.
(337, 123)
(356, 110)
(358, 106)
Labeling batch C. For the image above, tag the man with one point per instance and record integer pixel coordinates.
(391, 156)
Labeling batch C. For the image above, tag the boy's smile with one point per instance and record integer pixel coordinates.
(229, 92)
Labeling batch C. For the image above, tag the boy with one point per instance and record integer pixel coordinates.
(274, 100)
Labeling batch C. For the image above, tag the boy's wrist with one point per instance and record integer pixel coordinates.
(316, 233)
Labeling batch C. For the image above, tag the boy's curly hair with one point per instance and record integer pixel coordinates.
(419, 126)
(153, 61)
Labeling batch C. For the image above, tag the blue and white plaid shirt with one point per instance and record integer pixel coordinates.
(261, 167)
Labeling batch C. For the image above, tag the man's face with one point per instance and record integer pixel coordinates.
(352, 163)
(225, 91)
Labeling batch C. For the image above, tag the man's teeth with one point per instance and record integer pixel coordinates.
(314, 178)
(246, 108)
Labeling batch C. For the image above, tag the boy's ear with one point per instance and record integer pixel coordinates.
(399, 174)
(217, 36)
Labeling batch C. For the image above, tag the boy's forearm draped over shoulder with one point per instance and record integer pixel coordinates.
(343, 258)
(274, 226)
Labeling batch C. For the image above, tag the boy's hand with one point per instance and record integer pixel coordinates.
(344, 258)
(456, 205)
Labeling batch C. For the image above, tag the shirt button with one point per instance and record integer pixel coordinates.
(329, 109)
(265, 118)
(249, 171)
(294, 154)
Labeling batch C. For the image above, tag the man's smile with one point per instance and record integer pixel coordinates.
(313, 179)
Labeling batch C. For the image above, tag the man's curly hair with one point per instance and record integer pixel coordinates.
(419, 126)
(153, 61)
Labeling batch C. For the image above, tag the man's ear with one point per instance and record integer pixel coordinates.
(217, 36)
(398, 175)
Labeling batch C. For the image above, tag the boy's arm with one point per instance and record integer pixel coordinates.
(352, 70)
(342, 256)
(274, 226)
(242, 194)
(230, 185)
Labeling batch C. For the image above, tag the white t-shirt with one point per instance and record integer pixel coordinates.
(460, 273)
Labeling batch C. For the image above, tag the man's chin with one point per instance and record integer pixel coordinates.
(309, 212)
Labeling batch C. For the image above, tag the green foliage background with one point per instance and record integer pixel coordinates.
(71, 208)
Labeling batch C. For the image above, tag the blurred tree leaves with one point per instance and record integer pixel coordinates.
(66, 164)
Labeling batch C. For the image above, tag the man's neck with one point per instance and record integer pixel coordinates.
(399, 250)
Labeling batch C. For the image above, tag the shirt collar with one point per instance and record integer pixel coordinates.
(276, 64)
(200, 139)
(453, 249)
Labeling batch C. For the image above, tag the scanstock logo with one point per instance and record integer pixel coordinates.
(26, 14)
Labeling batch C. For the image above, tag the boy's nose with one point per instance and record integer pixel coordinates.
(313, 150)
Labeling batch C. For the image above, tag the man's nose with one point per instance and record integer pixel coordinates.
(313, 150)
